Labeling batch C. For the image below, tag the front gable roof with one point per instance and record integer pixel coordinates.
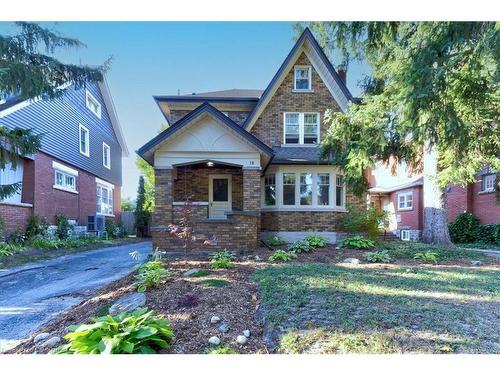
(309, 45)
(147, 151)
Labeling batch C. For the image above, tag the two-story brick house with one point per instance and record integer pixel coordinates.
(77, 171)
(248, 160)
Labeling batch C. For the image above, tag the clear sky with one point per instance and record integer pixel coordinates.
(160, 58)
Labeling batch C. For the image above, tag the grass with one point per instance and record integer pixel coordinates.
(28, 253)
(200, 273)
(372, 309)
(407, 250)
(216, 283)
(480, 245)
(224, 349)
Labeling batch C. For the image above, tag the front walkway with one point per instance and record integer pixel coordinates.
(33, 294)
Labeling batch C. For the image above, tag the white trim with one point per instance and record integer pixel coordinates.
(182, 203)
(484, 182)
(64, 189)
(301, 128)
(16, 204)
(87, 141)
(309, 73)
(405, 235)
(104, 146)
(405, 194)
(91, 98)
(104, 183)
(64, 168)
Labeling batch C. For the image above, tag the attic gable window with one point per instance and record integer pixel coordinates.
(92, 103)
(302, 78)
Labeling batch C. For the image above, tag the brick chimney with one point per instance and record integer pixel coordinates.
(342, 74)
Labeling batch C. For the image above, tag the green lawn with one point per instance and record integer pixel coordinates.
(325, 308)
(407, 250)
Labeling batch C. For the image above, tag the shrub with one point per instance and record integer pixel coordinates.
(222, 259)
(151, 274)
(275, 241)
(366, 221)
(121, 230)
(316, 240)
(8, 249)
(301, 246)
(138, 332)
(428, 256)
(39, 242)
(16, 237)
(464, 228)
(36, 226)
(110, 227)
(64, 228)
(282, 256)
(358, 242)
(381, 256)
(489, 233)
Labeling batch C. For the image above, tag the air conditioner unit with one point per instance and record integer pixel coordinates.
(96, 223)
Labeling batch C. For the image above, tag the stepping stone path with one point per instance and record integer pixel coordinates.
(351, 260)
(129, 302)
(214, 340)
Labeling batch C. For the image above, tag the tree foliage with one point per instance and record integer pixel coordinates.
(27, 72)
(433, 84)
(142, 215)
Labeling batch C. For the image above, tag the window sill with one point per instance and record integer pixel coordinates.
(302, 209)
(20, 204)
(64, 189)
(303, 91)
(300, 145)
(84, 154)
(486, 192)
(405, 209)
(107, 215)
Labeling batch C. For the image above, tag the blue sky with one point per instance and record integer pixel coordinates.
(160, 58)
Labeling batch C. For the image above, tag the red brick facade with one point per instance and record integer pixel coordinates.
(47, 201)
(470, 198)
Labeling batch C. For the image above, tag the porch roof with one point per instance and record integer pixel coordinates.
(147, 151)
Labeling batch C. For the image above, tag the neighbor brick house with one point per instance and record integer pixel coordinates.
(248, 160)
(401, 195)
(78, 169)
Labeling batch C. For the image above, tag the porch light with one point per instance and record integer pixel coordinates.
(210, 164)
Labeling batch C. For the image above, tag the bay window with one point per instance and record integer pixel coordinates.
(270, 190)
(306, 183)
(323, 189)
(339, 191)
(301, 128)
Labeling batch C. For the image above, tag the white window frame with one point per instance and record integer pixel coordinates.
(405, 194)
(91, 98)
(101, 184)
(486, 180)
(301, 128)
(302, 67)
(343, 190)
(106, 152)
(404, 235)
(264, 185)
(65, 172)
(87, 140)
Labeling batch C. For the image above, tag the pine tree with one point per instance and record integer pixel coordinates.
(142, 215)
(26, 72)
(432, 101)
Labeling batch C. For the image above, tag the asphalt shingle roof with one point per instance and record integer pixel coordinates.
(297, 155)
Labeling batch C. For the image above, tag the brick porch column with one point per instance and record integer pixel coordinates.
(251, 190)
(162, 215)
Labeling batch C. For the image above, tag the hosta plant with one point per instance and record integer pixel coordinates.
(428, 256)
(275, 241)
(381, 256)
(222, 259)
(282, 256)
(316, 240)
(301, 246)
(151, 274)
(358, 242)
(137, 332)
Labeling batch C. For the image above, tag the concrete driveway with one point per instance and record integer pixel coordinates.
(32, 294)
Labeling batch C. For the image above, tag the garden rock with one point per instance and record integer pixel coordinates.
(50, 343)
(246, 333)
(129, 302)
(224, 328)
(476, 262)
(191, 272)
(214, 340)
(41, 337)
(215, 319)
(257, 258)
(351, 260)
(242, 340)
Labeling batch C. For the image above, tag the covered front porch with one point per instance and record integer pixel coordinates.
(210, 164)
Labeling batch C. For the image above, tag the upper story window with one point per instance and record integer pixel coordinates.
(106, 155)
(64, 177)
(405, 201)
(302, 78)
(92, 104)
(301, 128)
(84, 139)
(488, 182)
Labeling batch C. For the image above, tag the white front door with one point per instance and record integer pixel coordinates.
(219, 196)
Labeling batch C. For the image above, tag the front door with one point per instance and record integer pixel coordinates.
(219, 193)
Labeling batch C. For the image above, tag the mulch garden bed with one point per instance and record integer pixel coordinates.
(190, 302)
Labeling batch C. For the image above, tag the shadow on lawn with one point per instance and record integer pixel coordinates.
(458, 304)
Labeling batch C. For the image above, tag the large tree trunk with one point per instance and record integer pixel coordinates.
(435, 210)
